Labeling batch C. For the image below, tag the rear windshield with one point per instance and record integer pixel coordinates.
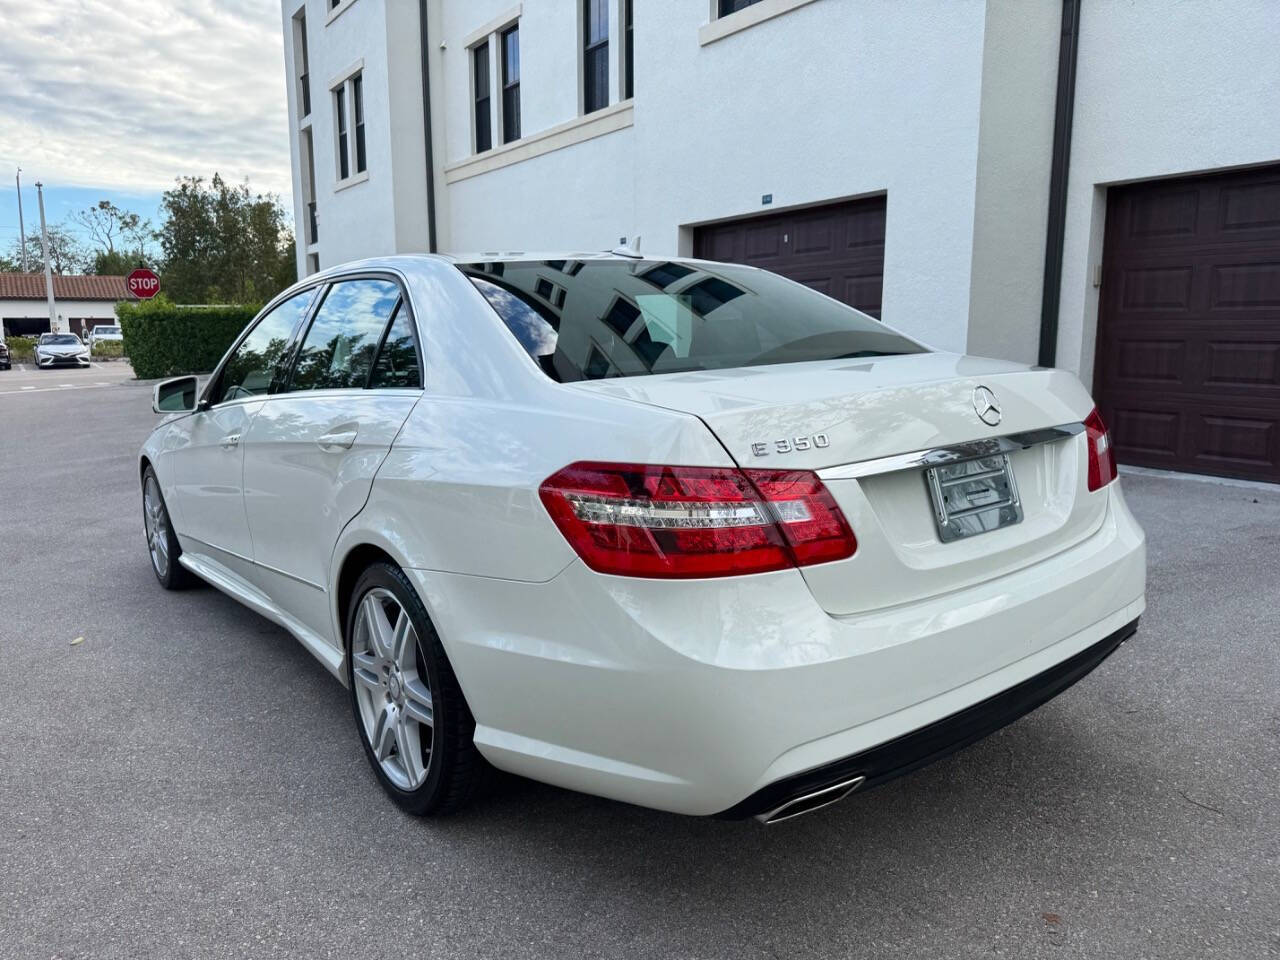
(586, 320)
(102, 330)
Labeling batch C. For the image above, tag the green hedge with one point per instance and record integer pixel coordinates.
(21, 349)
(108, 348)
(165, 340)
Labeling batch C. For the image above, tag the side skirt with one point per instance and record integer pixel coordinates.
(237, 588)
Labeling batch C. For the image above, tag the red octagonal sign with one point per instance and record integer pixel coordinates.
(143, 283)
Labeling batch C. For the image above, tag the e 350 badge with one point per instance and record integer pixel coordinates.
(789, 444)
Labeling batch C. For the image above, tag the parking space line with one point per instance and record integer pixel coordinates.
(59, 389)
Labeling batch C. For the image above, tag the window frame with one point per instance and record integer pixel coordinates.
(360, 154)
(627, 82)
(588, 46)
(473, 58)
(342, 91)
(300, 336)
(506, 84)
(342, 137)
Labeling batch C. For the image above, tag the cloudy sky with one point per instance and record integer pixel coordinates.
(115, 98)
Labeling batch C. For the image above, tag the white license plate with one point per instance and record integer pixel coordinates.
(973, 496)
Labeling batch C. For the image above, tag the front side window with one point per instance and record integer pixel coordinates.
(511, 85)
(616, 320)
(337, 351)
(397, 364)
(480, 69)
(257, 365)
(595, 55)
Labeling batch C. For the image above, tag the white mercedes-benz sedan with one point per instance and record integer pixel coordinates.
(684, 534)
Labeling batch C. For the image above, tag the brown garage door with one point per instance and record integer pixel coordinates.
(1188, 357)
(837, 249)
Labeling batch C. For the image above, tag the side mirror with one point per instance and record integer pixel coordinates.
(178, 395)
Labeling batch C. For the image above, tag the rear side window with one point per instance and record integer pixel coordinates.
(616, 318)
(397, 363)
(258, 365)
(338, 349)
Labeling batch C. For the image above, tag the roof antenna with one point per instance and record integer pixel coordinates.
(623, 249)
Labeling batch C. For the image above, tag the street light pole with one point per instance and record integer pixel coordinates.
(22, 233)
(48, 269)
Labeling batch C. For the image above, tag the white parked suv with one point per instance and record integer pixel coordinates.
(103, 332)
(684, 534)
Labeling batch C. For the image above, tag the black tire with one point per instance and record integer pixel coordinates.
(174, 576)
(455, 770)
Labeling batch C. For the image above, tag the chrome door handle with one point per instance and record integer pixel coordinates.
(230, 441)
(338, 440)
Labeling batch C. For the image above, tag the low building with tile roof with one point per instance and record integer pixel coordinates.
(81, 302)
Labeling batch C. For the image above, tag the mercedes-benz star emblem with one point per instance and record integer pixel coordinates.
(986, 406)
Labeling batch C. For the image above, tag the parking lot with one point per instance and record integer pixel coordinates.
(186, 781)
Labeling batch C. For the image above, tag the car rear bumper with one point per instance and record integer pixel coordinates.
(911, 751)
(701, 697)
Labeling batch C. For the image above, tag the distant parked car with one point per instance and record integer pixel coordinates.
(6, 362)
(60, 350)
(102, 333)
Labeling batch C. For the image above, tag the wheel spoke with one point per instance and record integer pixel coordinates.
(408, 745)
(364, 668)
(380, 631)
(384, 734)
(417, 701)
(404, 642)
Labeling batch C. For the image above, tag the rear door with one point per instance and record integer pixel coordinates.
(312, 450)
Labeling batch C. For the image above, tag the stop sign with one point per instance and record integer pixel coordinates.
(143, 283)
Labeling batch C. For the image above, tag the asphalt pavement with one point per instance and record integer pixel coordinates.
(185, 781)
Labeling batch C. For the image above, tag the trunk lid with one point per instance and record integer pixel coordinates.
(818, 415)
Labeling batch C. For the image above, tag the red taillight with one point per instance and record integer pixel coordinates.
(1102, 459)
(651, 521)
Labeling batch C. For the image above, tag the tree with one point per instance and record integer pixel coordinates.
(224, 243)
(65, 253)
(117, 263)
(108, 225)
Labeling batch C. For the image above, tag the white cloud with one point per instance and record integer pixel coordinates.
(129, 94)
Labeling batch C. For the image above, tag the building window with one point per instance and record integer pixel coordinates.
(340, 124)
(302, 65)
(511, 84)
(733, 6)
(628, 78)
(357, 99)
(307, 157)
(595, 55)
(480, 71)
(348, 126)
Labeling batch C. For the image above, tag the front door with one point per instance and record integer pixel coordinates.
(312, 451)
(208, 458)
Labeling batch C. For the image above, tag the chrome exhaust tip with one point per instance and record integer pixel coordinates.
(809, 802)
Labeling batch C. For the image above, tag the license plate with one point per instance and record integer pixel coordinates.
(973, 496)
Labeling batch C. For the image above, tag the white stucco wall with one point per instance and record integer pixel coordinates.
(1162, 89)
(835, 99)
(67, 310)
(386, 213)
(1011, 205)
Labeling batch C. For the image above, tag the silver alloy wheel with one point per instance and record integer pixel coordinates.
(157, 526)
(392, 689)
